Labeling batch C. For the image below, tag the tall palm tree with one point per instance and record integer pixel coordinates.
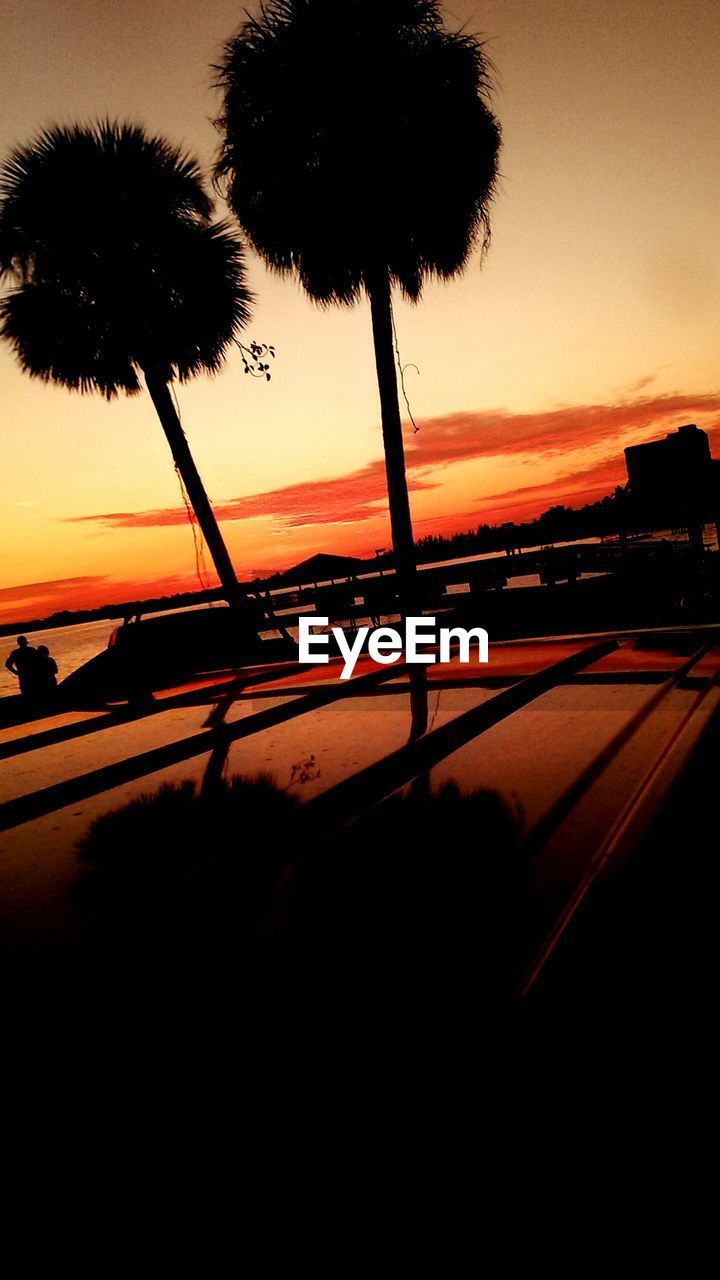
(116, 268)
(359, 151)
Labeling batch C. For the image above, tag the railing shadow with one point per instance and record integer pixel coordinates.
(108, 718)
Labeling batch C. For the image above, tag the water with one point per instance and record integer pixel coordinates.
(69, 646)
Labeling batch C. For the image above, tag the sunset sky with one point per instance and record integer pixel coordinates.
(593, 323)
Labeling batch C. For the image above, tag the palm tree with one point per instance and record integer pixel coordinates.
(116, 269)
(359, 152)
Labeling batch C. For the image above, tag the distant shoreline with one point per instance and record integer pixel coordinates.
(606, 517)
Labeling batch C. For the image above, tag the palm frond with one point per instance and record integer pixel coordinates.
(114, 263)
(358, 137)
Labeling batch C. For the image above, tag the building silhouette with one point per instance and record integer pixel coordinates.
(676, 479)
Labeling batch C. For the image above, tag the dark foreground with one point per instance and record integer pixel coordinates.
(279, 844)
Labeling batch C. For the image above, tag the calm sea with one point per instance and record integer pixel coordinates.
(69, 646)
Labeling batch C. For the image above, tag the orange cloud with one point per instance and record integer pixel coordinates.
(549, 433)
(560, 437)
(360, 495)
(340, 499)
(54, 587)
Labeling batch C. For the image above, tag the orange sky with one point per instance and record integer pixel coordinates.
(594, 322)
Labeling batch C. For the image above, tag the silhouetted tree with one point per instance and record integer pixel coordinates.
(116, 268)
(359, 151)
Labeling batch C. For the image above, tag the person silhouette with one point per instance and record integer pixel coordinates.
(21, 663)
(44, 675)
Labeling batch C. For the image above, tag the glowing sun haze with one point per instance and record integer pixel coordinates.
(593, 323)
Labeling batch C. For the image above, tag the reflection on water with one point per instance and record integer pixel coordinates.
(418, 702)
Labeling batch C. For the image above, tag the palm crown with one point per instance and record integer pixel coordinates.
(357, 137)
(115, 265)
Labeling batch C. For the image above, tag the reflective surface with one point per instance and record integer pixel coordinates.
(566, 765)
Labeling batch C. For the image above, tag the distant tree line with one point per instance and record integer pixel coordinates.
(617, 514)
(610, 515)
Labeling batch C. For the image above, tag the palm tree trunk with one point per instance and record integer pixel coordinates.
(399, 501)
(159, 391)
(398, 497)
